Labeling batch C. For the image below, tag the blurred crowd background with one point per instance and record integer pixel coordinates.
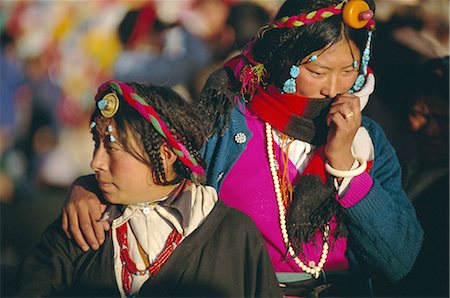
(54, 54)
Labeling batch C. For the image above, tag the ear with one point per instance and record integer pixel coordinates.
(169, 158)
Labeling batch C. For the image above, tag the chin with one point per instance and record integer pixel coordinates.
(112, 199)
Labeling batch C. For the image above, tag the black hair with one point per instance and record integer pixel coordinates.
(180, 117)
(279, 49)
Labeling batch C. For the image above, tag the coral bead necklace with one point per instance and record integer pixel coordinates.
(311, 268)
(129, 266)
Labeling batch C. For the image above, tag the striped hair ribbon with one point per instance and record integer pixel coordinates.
(147, 111)
(351, 9)
(308, 18)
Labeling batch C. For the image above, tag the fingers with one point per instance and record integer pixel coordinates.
(81, 212)
(74, 228)
(98, 228)
(344, 110)
(106, 225)
(65, 223)
(84, 226)
(91, 229)
(344, 120)
(349, 115)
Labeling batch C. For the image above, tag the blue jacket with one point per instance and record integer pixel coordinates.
(384, 234)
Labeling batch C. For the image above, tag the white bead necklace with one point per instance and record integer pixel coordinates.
(311, 268)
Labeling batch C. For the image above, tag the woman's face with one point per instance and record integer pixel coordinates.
(428, 120)
(122, 178)
(331, 74)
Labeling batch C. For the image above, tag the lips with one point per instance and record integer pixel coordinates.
(103, 185)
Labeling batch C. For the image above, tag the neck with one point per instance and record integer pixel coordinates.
(162, 192)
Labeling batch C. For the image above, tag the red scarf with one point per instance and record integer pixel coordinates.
(299, 117)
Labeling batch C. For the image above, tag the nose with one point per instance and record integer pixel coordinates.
(331, 87)
(99, 157)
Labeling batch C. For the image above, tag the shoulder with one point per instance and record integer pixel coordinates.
(218, 78)
(375, 131)
(385, 155)
(217, 99)
(221, 85)
(371, 126)
(234, 217)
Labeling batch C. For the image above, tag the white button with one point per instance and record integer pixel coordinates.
(240, 138)
(146, 210)
(220, 176)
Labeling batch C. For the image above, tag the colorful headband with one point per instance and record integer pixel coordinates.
(109, 103)
(355, 13)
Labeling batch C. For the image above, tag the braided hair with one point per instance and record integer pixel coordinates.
(180, 117)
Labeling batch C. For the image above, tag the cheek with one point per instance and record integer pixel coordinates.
(129, 172)
(416, 122)
(347, 81)
(308, 86)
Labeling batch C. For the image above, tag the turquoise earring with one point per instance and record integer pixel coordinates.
(289, 85)
(361, 79)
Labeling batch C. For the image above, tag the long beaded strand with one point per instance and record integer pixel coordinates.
(311, 268)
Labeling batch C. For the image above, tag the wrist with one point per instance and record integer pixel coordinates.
(338, 173)
(342, 162)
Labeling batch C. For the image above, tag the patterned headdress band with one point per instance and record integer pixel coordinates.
(309, 18)
(356, 14)
(108, 105)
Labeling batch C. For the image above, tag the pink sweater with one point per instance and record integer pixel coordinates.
(249, 188)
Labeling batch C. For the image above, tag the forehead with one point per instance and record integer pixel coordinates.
(340, 54)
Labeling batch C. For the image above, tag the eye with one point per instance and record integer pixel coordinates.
(111, 147)
(316, 74)
(350, 71)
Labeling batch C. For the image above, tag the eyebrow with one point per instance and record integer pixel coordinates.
(325, 67)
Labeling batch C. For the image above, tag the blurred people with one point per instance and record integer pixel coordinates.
(413, 32)
(12, 76)
(243, 22)
(166, 54)
(428, 97)
(427, 178)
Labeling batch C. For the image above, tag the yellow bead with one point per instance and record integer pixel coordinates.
(112, 105)
(351, 13)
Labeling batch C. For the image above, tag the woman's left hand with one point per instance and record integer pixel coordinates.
(343, 120)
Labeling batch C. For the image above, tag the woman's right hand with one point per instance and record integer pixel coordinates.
(81, 213)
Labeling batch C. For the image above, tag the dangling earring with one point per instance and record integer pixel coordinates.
(360, 80)
(290, 86)
(111, 137)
